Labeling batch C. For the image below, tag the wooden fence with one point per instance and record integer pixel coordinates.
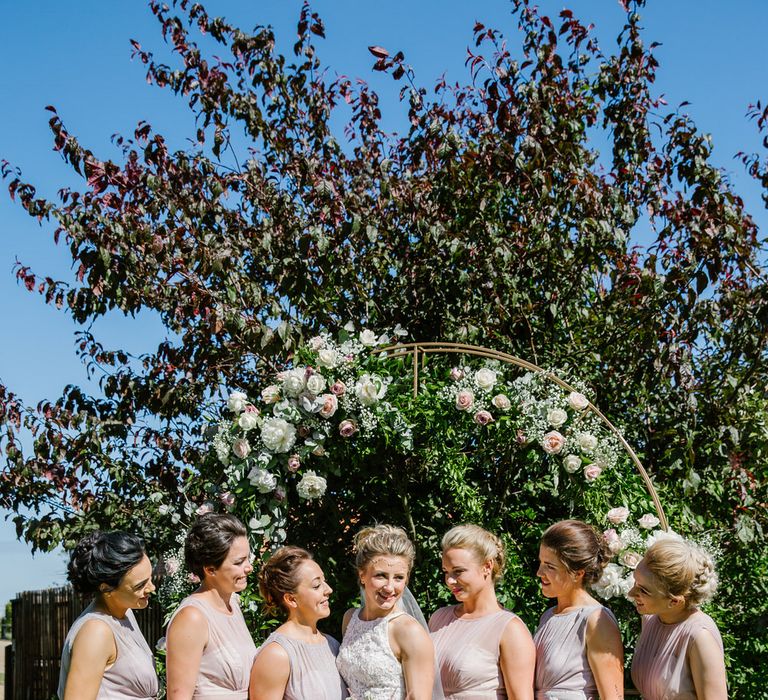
(41, 620)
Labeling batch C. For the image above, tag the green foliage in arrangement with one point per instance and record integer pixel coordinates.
(493, 221)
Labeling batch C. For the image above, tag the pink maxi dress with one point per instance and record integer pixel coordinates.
(467, 652)
(660, 668)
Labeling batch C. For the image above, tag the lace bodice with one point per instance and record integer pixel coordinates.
(366, 661)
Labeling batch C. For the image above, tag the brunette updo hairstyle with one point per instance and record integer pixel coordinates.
(484, 545)
(682, 569)
(579, 547)
(209, 539)
(280, 575)
(103, 559)
(379, 540)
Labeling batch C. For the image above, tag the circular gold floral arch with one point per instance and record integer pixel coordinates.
(420, 351)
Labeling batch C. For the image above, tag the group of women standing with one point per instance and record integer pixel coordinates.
(472, 650)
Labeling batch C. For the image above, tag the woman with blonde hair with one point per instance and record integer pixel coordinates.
(385, 653)
(679, 654)
(579, 653)
(296, 661)
(483, 651)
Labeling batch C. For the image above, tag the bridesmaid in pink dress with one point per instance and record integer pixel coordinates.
(679, 654)
(484, 652)
(209, 651)
(579, 653)
(296, 661)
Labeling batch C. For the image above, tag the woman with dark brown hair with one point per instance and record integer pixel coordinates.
(579, 654)
(296, 661)
(209, 648)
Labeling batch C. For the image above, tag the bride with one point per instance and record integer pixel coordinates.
(385, 653)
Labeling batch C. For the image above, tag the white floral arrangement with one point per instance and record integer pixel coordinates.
(627, 544)
(559, 422)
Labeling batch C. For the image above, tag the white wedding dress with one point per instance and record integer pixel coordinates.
(366, 662)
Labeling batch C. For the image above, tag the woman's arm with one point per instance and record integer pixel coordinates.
(605, 654)
(707, 667)
(186, 640)
(92, 651)
(517, 659)
(270, 673)
(413, 647)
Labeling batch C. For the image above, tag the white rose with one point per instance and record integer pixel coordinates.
(316, 343)
(485, 378)
(248, 421)
(616, 516)
(577, 401)
(316, 384)
(237, 402)
(293, 382)
(311, 486)
(241, 448)
(572, 463)
(270, 394)
(556, 417)
(263, 480)
(611, 583)
(278, 435)
(648, 521)
(630, 559)
(502, 402)
(328, 358)
(369, 389)
(368, 338)
(586, 442)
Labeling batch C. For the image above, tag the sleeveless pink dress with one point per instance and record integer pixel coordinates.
(313, 668)
(562, 667)
(468, 653)
(132, 676)
(225, 667)
(660, 668)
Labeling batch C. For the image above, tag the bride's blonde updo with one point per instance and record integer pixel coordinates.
(682, 569)
(372, 542)
(484, 545)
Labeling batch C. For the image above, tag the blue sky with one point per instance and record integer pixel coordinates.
(76, 56)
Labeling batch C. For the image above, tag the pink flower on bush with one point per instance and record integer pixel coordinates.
(204, 508)
(483, 418)
(330, 404)
(250, 408)
(553, 442)
(171, 566)
(227, 498)
(241, 448)
(592, 471)
(193, 578)
(465, 399)
(502, 402)
(617, 516)
(520, 437)
(338, 388)
(294, 463)
(613, 540)
(457, 374)
(347, 428)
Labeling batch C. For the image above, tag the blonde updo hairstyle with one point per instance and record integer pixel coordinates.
(579, 547)
(682, 569)
(484, 546)
(381, 540)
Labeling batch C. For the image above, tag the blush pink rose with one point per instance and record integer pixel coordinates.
(553, 442)
(330, 404)
(465, 399)
(483, 418)
(347, 428)
(613, 540)
(294, 463)
(338, 388)
(457, 374)
(592, 471)
(617, 516)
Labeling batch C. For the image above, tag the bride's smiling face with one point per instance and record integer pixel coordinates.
(384, 579)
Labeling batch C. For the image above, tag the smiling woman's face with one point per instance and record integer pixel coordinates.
(384, 579)
(134, 588)
(464, 574)
(646, 594)
(232, 575)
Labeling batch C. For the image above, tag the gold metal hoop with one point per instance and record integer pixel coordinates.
(419, 351)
